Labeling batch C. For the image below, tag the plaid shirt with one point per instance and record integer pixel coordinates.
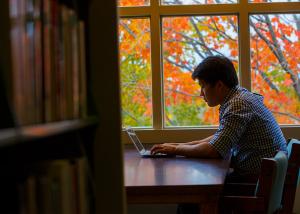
(247, 129)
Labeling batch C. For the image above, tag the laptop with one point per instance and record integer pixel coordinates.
(139, 146)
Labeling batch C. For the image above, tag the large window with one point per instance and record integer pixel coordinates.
(161, 42)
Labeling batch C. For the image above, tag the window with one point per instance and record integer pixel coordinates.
(135, 66)
(196, 2)
(275, 63)
(133, 3)
(261, 37)
(186, 41)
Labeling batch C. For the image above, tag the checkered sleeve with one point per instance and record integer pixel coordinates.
(233, 122)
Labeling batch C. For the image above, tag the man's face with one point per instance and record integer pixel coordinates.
(211, 93)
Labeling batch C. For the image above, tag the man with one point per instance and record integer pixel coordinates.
(247, 128)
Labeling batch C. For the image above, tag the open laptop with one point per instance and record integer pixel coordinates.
(139, 146)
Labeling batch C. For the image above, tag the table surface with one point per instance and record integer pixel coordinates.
(174, 180)
(172, 170)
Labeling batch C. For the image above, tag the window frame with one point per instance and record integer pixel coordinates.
(243, 9)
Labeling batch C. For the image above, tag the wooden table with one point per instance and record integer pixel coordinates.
(174, 180)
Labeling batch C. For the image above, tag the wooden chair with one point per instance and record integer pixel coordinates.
(268, 193)
(292, 176)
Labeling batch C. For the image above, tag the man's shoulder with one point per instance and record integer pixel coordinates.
(242, 100)
(245, 97)
(240, 97)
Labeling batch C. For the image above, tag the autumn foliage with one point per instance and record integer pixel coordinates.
(186, 40)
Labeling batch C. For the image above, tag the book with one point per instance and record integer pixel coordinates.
(48, 52)
(26, 45)
(17, 32)
(75, 63)
(60, 174)
(55, 187)
(82, 72)
(82, 186)
(68, 60)
(48, 67)
(30, 195)
(38, 62)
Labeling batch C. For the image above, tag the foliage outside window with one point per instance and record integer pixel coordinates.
(133, 3)
(134, 37)
(184, 40)
(195, 2)
(275, 63)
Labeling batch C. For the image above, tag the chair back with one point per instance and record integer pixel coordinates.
(271, 181)
(292, 176)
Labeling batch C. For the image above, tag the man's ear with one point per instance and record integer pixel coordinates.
(220, 84)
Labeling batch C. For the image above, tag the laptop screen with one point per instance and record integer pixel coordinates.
(135, 140)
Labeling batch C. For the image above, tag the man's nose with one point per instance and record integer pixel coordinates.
(201, 94)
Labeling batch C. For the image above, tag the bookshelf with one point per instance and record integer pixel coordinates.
(43, 144)
(55, 104)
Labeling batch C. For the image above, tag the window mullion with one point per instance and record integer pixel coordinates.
(157, 98)
(244, 48)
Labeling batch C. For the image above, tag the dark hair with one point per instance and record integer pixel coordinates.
(214, 68)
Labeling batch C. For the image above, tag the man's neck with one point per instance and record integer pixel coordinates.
(224, 94)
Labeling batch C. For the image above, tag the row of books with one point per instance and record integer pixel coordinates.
(56, 187)
(48, 54)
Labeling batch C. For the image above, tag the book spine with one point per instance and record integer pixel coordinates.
(38, 62)
(55, 187)
(48, 65)
(82, 72)
(48, 52)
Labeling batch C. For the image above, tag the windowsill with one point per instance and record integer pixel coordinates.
(189, 134)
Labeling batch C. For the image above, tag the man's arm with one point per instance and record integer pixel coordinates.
(202, 150)
(193, 142)
(198, 141)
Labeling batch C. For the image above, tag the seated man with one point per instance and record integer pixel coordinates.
(246, 127)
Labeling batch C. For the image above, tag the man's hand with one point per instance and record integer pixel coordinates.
(166, 148)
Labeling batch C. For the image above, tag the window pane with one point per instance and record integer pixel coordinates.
(133, 3)
(275, 63)
(186, 42)
(195, 2)
(135, 66)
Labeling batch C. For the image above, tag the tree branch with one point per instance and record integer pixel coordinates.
(128, 29)
(264, 76)
(208, 51)
(270, 45)
(281, 58)
(182, 93)
(221, 32)
(131, 116)
(179, 65)
(169, 120)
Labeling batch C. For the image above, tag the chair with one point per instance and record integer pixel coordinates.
(268, 193)
(292, 176)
